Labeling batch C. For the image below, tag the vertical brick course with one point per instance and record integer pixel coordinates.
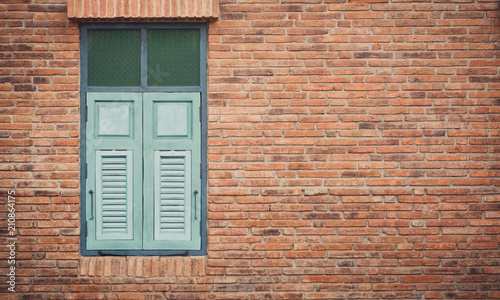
(353, 152)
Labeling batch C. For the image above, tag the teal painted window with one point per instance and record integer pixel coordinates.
(114, 57)
(143, 89)
(173, 158)
(114, 170)
(144, 171)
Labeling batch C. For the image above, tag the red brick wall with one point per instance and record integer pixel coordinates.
(353, 154)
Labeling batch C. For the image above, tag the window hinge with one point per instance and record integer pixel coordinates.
(200, 171)
(200, 114)
(86, 170)
(86, 113)
(86, 229)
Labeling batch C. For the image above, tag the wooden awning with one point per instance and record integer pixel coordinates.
(143, 9)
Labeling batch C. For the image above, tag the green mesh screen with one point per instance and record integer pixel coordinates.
(114, 57)
(173, 57)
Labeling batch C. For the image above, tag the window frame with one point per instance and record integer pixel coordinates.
(84, 89)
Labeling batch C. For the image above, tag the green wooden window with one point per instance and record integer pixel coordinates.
(143, 149)
(143, 154)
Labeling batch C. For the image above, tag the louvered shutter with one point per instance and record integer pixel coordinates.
(172, 190)
(114, 162)
(172, 154)
(113, 197)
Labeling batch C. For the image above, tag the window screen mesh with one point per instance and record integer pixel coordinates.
(114, 57)
(173, 57)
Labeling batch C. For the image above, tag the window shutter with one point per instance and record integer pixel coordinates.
(172, 150)
(114, 156)
(172, 191)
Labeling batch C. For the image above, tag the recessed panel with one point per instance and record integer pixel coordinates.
(114, 119)
(173, 119)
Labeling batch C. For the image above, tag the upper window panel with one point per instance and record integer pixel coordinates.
(173, 57)
(114, 58)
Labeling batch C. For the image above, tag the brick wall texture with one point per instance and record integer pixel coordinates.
(353, 154)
